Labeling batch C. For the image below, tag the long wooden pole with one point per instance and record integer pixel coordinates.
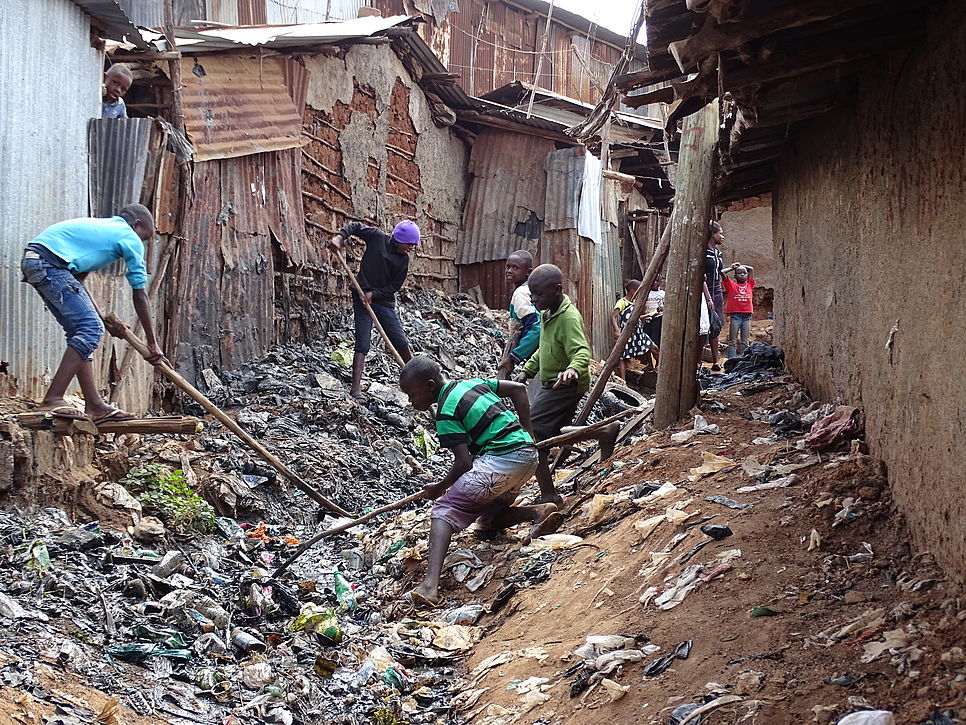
(677, 385)
(372, 314)
(640, 300)
(345, 527)
(115, 322)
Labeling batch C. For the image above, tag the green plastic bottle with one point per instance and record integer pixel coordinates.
(343, 592)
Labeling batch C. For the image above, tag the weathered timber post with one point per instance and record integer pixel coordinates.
(677, 385)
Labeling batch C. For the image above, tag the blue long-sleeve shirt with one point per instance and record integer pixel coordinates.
(88, 244)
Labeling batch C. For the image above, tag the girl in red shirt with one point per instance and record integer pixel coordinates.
(739, 306)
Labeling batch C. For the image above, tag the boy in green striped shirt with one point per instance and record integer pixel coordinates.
(493, 456)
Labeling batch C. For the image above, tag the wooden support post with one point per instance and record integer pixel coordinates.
(677, 385)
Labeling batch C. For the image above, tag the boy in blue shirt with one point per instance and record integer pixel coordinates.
(524, 317)
(55, 264)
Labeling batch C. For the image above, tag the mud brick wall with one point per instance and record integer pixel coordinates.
(748, 239)
(375, 154)
(869, 217)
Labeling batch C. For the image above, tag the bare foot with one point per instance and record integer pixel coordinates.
(556, 501)
(103, 412)
(426, 595)
(60, 408)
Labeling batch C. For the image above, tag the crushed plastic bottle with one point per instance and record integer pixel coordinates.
(344, 593)
(466, 615)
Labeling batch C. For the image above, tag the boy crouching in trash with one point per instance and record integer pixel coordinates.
(493, 456)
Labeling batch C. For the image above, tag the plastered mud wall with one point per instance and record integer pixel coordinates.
(869, 220)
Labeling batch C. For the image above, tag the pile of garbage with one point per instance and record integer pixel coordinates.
(360, 454)
(759, 363)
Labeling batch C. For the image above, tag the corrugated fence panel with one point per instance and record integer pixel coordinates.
(118, 152)
(565, 173)
(505, 205)
(46, 100)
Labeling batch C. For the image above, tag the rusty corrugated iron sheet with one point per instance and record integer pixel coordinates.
(284, 206)
(118, 149)
(237, 105)
(565, 174)
(505, 205)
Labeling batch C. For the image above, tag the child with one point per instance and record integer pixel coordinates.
(653, 316)
(640, 344)
(382, 272)
(740, 306)
(55, 264)
(117, 82)
(524, 318)
(562, 361)
(493, 456)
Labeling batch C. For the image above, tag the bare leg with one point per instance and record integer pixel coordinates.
(358, 367)
(94, 404)
(548, 493)
(606, 437)
(656, 352)
(622, 369)
(713, 342)
(69, 366)
(440, 534)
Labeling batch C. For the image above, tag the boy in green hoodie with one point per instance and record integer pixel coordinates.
(562, 361)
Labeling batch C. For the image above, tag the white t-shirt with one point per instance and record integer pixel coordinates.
(655, 299)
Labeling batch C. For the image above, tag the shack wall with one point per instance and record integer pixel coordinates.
(869, 213)
(46, 100)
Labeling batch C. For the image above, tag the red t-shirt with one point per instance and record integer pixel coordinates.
(739, 295)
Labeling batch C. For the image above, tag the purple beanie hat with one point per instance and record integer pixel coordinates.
(406, 232)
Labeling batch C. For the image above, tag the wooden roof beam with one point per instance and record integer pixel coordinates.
(714, 38)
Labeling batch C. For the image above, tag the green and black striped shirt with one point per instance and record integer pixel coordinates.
(469, 411)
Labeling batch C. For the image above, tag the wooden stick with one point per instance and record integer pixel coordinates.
(115, 322)
(640, 299)
(365, 303)
(41, 420)
(573, 435)
(345, 527)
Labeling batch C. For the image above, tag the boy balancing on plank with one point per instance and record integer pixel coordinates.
(493, 456)
(55, 263)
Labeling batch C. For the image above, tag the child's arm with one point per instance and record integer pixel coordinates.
(751, 272)
(615, 317)
(517, 393)
(462, 462)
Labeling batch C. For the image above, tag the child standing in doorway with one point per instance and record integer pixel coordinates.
(740, 306)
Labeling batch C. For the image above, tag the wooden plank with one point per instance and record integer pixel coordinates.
(677, 386)
(40, 420)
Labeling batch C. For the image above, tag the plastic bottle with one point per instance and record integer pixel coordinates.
(343, 591)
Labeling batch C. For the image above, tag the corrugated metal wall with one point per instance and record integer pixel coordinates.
(312, 11)
(505, 205)
(490, 44)
(517, 178)
(46, 100)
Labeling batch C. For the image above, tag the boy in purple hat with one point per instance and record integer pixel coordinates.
(381, 273)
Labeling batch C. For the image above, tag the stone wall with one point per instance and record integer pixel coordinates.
(869, 217)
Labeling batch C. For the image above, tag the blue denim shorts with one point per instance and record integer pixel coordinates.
(67, 300)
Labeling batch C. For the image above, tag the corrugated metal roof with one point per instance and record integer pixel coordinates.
(505, 204)
(282, 36)
(237, 105)
(109, 14)
(118, 152)
(43, 167)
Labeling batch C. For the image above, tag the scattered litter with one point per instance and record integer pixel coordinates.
(556, 541)
(710, 464)
(782, 482)
(843, 424)
(716, 532)
(729, 502)
(762, 611)
(868, 717)
(660, 665)
(615, 690)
